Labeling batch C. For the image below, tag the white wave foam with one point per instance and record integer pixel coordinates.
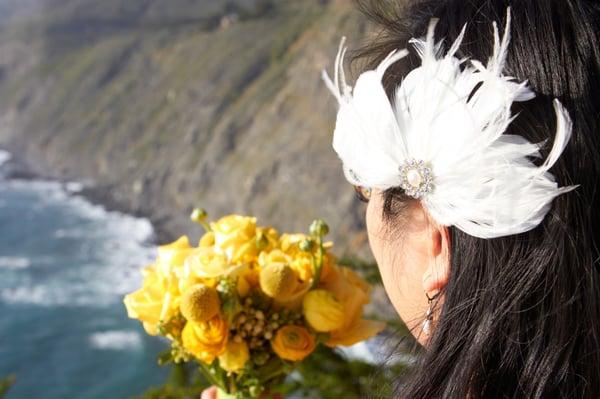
(116, 340)
(14, 262)
(5, 156)
(109, 253)
(359, 351)
(51, 296)
(74, 187)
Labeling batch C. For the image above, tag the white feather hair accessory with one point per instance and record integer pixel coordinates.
(442, 141)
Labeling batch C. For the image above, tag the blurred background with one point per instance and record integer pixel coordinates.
(117, 117)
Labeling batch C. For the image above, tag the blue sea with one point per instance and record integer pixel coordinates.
(65, 265)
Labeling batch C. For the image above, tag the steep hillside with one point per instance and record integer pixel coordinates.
(169, 105)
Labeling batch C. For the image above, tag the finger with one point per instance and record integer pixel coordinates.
(210, 393)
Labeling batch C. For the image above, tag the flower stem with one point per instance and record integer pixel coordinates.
(318, 266)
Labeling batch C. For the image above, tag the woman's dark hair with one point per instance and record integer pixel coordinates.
(521, 314)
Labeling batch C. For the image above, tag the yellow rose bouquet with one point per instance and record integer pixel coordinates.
(247, 303)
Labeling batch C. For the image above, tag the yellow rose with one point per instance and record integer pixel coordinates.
(205, 263)
(235, 357)
(207, 340)
(323, 311)
(172, 256)
(275, 256)
(268, 238)
(207, 240)
(242, 285)
(235, 236)
(302, 263)
(289, 242)
(154, 302)
(353, 292)
(293, 343)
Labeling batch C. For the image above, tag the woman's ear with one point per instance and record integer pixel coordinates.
(437, 273)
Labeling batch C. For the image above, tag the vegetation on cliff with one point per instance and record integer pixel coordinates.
(167, 105)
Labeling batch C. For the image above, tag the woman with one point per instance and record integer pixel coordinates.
(507, 315)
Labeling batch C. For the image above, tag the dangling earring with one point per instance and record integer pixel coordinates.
(429, 314)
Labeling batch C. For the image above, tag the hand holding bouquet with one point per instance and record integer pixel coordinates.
(247, 303)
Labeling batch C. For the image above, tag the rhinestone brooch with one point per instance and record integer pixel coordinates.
(416, 178)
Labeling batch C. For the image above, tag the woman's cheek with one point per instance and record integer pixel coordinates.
(380, 251)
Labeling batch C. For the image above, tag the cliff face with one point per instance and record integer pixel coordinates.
(171, 105)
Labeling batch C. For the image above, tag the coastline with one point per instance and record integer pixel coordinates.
(15, 167)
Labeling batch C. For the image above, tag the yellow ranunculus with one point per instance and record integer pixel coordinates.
(293, 343)
(207, 340)
(323, 311)
(235, 236)
(156, 301)
(235, 357)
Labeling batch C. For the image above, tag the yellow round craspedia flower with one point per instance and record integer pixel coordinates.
(323, 311)
(293, 343)
(200, 303)
(278, 280)
(235, 357)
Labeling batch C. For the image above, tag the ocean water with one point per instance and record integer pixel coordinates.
(65, 265)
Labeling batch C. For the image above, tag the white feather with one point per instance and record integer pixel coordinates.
(485, 182)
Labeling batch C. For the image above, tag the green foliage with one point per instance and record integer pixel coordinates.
(6, 383)
(326, 374)
(184, 382)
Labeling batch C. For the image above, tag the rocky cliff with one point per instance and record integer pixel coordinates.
(169, 105)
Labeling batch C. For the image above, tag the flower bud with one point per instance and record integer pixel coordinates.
(306, 245)
(198, 215)
(319, 228)
(200, 303)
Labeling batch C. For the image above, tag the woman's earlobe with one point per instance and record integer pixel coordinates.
(437, 273)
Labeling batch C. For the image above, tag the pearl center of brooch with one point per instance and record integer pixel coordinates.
(415, 178)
